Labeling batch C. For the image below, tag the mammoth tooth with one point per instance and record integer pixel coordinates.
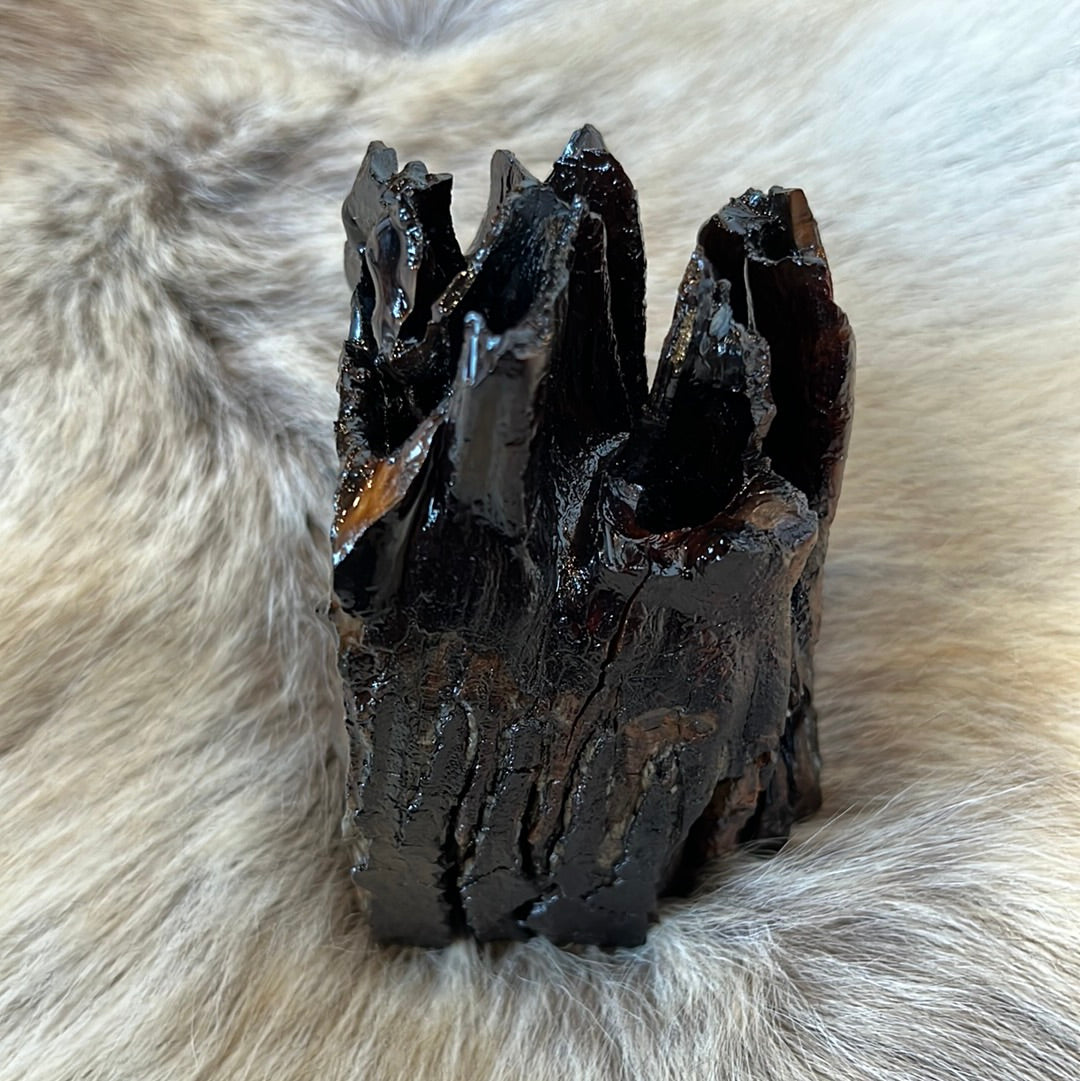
(576, 614)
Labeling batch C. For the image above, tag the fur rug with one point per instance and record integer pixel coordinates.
(174, 897)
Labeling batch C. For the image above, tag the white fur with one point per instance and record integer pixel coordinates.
(174, 898)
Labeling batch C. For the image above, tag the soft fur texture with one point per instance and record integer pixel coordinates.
(174, 897)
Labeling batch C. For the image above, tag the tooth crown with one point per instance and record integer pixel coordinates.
(576, 616)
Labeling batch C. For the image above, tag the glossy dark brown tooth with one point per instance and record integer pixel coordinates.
(575, 619)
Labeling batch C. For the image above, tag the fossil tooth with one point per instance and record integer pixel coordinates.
(576, 615)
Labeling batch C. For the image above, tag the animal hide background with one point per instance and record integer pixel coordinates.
(174, 895)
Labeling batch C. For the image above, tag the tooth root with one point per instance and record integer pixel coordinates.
(584, 221)
(587, 399)
(508, 177)
(361, 208)
(587, 169)
(491, 427)
(700, 437)
(518, 270)
(768, 246)
(401, 254)
(411, 255)
(513, 302)
(400, 246)
(543, 293)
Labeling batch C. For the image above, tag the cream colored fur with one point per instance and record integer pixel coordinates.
(174, 898)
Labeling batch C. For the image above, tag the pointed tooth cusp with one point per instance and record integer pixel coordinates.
(585, 138)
